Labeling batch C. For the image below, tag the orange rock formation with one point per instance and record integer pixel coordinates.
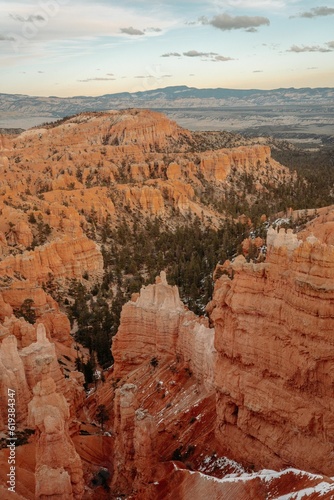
(182, 395)
(274, 323)
(58, 466)
(267, 379)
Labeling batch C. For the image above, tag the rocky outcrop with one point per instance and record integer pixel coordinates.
(274, 325)
(42, 348)
(143, 128)
(156, 324)
(13, 377)
(84, 162)
(217, 165)
(92, 202)
(18, 366)
(145, 198)
(20, 234)
(64, 258)
(266, 367)
(24, 332)
(58, 466)
(291, 483)
(164, 357)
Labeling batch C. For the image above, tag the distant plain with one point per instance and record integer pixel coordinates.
(305, 126)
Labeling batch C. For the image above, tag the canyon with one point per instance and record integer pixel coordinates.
(236, 403)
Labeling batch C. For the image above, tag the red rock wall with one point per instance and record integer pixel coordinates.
(274, 326)
(63, 258)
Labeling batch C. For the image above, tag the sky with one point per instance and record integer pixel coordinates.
(71, 47)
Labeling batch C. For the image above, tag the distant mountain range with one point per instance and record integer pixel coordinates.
(17, 110)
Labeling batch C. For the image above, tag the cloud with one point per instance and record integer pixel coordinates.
(222, 58)
(96, 80)
(195, 53)
(210, 56)
(152, 30)
(171, 54)
(132, 31)
(29, 19)
(225, 22)
(6, 38)
(330, 44)
(317, 12)
(311, 48)
(258, 71)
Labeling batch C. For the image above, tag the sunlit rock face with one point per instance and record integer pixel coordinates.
(45, 404)
(164, 365)
(267, 365)
(274, 374)
(156, 323)
(58, 466)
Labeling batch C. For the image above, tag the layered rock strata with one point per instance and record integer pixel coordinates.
(274, 326)
(66, 258)
(157, 324)
(164, 356)
(19, 372)
(58, 466)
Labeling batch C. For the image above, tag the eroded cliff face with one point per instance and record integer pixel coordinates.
(182, 396)
(157, 324)
(19, 367)
(45, 404)
(262, 378)
(274, 325)
(63, 186)
(101, 165)
(164, 401)
(58, 470)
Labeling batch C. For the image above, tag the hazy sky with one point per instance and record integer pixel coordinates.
(86, 47)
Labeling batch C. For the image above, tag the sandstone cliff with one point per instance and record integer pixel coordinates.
(164, 356)
(274, 324)
(58, 466)
(82, 163)
(182, 396)
(157, 324)
(40, 390)
(66, 258)
(266, 380)
(20, 371)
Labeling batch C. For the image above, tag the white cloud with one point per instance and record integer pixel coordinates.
(28, 19)
(131, 31)
(225, 22)
(317, 12)
(39, 23)
(254, 4)
(195, 53)
(171, 54)
(311, 48)
(208, 56)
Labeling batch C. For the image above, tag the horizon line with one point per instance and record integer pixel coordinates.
(169, 87)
